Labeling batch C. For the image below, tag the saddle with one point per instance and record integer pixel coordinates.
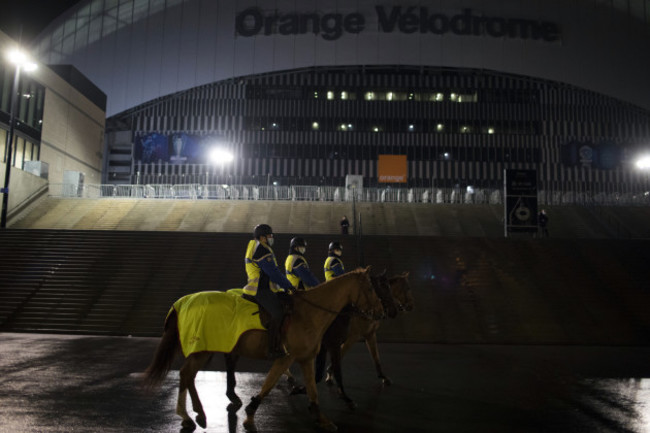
(265, 317)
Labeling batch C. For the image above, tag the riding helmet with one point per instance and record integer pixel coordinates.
(297, 242)
(262, 230)
(335, 246)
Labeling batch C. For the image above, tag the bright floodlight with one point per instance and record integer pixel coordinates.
(643, 163)
(221, 156)
(21, 59)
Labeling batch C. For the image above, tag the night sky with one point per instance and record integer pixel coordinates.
(23, 20)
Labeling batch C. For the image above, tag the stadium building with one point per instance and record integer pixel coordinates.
(305, 93)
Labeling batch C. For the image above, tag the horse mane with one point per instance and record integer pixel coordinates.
(326, 284)
(398, 277)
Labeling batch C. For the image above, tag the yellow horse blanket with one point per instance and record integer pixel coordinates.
(214, 321)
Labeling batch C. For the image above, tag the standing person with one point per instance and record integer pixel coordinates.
(542, 220)
(345, 225)
(264, 277)
(296, 267)
(333, 264)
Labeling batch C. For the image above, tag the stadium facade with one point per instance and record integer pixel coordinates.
(309, 92)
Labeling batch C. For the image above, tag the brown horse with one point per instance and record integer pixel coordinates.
(366, 329)
(338, 332)
(313, 312)
(334, 337)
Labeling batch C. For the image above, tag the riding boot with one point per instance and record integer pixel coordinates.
(276, 349)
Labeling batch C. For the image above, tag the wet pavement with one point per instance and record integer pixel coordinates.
(57, 383)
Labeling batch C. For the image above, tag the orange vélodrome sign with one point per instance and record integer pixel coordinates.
(392, 168)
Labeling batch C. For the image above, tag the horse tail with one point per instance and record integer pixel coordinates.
(165, 353)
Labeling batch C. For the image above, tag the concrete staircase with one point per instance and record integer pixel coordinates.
(467, 290)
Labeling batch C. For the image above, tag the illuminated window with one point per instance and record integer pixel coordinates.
(344, 95)
(375, 129)
(315, 126)
(453, 97)
(315, 95)
(411, 95)
(370, 96)
(467, 98)
(390, 96)
(411, 127)
(439, 97)
(490, 130)
(330, 95)
(465, 129)
(440, 127)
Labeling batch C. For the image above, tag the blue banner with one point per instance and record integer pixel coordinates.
(177, 148)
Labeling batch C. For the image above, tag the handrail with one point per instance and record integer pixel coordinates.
(338, 194)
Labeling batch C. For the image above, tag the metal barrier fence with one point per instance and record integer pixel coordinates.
(338, 194)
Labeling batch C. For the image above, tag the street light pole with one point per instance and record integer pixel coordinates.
(10, 145)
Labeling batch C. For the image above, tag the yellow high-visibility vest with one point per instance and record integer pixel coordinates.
(329, 263)
(253, 270)
(288, 267)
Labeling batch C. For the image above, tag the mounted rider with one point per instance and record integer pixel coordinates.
(266, 282)
(333, 264)
(296, 267)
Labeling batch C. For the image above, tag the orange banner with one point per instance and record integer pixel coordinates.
(392, 168)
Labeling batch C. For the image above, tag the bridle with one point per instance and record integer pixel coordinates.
(398, 303)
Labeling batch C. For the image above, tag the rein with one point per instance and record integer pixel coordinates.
(320, 307)
(353, 308)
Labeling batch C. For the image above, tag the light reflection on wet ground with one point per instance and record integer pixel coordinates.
(91, 384)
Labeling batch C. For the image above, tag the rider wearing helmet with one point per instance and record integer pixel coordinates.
(265, 281)
(333, 264)
(296, 266)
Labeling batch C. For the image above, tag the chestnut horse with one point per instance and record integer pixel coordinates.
(312, 314)
(366, 329)
(334, 337)
(338, 332)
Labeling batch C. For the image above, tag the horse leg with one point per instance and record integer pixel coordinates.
(371, 343)
(296, 388)
(186, 423)
(188, 373)
(352, 339)
(321, 360)
(279, 366)
(314, 408)
(181, 403)
(231, 364)
(335, 355)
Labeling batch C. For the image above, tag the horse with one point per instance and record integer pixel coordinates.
(336, 335)
(312, 314)
(362, 328)
(338, 332)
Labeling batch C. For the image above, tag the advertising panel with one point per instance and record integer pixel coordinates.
(392, 169)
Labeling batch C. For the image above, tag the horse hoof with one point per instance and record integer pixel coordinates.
(329, 381)
(188, 426)
(234, 406)
(386, 381)
(249, 425)
(200, 420)
(298, 390)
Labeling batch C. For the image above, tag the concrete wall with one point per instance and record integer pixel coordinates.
(72, 133)
(22, 186)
